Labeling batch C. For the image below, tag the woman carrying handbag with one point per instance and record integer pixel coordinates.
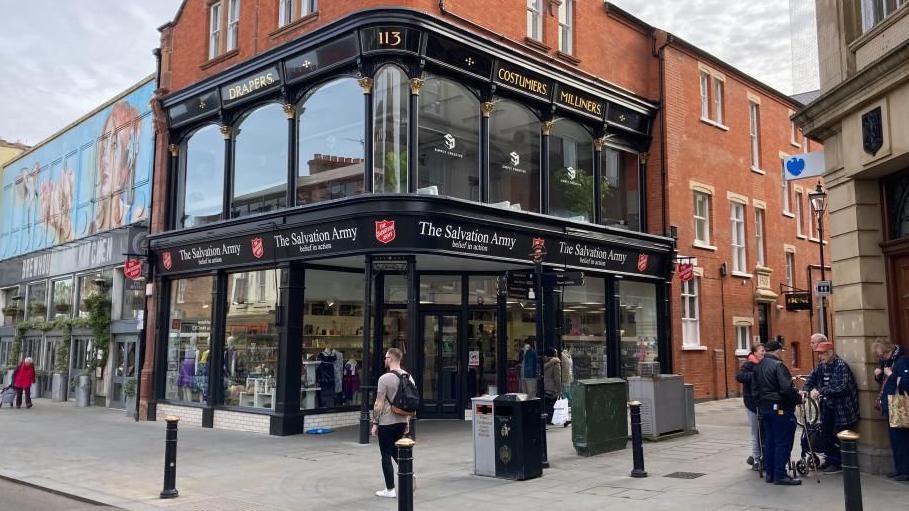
(893, 374)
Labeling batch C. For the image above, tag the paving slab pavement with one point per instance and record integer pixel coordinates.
(103, 456)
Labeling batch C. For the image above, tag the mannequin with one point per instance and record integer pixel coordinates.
(567, 371)
(186, 380)
(325, 375)
(351, 383)
(339, 375)
(202, 375)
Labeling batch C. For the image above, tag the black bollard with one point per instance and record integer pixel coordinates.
(365, 423)
(170, 458)
(852, 482)
(405, 474)
(637, 440)
(412, 430)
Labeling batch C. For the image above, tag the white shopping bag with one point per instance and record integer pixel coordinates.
(561, 412)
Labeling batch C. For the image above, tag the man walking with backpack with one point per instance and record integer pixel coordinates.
(397, 401)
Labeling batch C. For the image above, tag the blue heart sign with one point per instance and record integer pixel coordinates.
(795, 165)
(805, 165)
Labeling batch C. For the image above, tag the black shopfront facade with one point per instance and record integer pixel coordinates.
(373, 185)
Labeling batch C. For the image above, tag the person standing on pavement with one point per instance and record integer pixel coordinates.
(831, 384)
(776, 399)
(388, 426)
(745, 376)
(23, 379)
(552, 381)
(893, 375)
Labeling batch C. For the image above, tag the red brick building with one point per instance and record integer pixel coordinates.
(601, 110)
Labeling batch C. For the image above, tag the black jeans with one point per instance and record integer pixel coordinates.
(28, 396)
(388, 435)
(831, 444)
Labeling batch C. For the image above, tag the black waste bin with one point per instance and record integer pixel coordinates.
(518, 440)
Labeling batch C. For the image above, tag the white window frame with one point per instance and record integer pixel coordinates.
(754, 133)
(285, 12)
(790, 268)
(566, 26)
(737, 233)
(743, 338)
(876, 11)
(233, 24)
(691, 329)
(181, 291)
(793, 131)
(535, 19)
(799, 214)
(705, 95)
(786, 189)
(719, 87)
(214, 30)
(759, 245)
(705, 219)
(308, 7)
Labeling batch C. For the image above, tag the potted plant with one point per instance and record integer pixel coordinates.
(10, 310)
(62, 308)
(83, 384)
(129, 395)
(36, 309)
(59, 384)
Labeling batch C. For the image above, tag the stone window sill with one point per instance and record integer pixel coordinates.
(711, 122)
(741, 274)
(694, 348)
(571, 59)
(219, 59)
(537, 45)
(703, 246)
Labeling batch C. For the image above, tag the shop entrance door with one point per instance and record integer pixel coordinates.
(123, 368)
(441, 371)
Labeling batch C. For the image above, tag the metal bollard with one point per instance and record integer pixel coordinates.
(637, 440)
(170, 459)
(365, 423)
(405, 474)
(852, 482)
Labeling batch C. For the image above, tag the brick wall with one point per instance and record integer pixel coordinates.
(239, 421)
(331, 420)
(189, 416)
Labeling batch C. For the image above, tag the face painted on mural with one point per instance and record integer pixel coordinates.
(56, 198)
(115, 169)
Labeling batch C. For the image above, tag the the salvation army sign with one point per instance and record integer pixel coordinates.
(385, 231)
(132, 269)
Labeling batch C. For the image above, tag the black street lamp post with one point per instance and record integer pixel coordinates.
(537, 255)
(818, 199)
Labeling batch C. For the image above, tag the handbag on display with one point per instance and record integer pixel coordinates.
(899, 410)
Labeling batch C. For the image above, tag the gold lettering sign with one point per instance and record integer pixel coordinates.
(523, 82)
(251, 85)
(390, 38)
(573, 100)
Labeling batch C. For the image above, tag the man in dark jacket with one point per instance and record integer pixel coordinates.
(744, 376)
(832, 383)
(776, 399)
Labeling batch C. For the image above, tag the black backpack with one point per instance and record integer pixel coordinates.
(407, 399)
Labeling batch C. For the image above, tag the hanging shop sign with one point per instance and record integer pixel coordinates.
(384, 38)
(194, 108)
(798, 300)
(582, 102)
(322, 58)
(251, 86)
(132, 269)
(522, 80)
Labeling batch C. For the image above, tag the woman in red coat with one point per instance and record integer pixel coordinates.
(23, 379)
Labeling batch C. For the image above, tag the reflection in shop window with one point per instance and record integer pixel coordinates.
(638, 328)
(36, 298)
(514, 157)
(449, 140)
(62, 298)
(189, 341)
(571, 172)
(391, 99)
(440, 289)
(259, 181)
(482, 290)
(332, 340)
(522, 352)
(133, 298)
(89, 286)
(620, 189)
(584, 328)
(201, 200)
(481, 352)
(330, 127)
(251, 340)
(11, 309)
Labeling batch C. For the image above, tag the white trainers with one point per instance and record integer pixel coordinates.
(388, 494)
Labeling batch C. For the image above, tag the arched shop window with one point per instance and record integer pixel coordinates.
(330, 132)
(202, 183)
(449, 140)
(620, 190)
(259, 182)
(570, 171)
(514, 157)
(391, 97)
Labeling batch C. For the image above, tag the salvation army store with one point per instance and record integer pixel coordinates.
(383, 183)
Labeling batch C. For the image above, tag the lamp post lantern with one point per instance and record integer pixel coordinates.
(818, 199)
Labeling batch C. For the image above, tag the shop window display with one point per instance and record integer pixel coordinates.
(391, 100)
(481, 353)
(449, 140)
(88, 286)
(330, 127)
(260, 162)
(133, 298)
(584, 329)
(201, 201)
(62, 298)
(571, 171)
(638, 326)
(332, 339)
(440, 289)
(251, 339)
(620, 192)
(36, 297)
(524, 353)
(514, 157)
(189, 340)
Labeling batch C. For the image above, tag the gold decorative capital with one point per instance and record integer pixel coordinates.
(289, 110)
(598, 143)
(174, 149)
(547, 127)
(644, 157)
(365, 84)
(415, 85)
(487, 108)
(225, 130)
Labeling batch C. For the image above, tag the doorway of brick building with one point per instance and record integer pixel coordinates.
(764, 322)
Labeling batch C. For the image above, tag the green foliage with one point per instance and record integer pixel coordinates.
(129, 387)
(65, 325)
(98, 321)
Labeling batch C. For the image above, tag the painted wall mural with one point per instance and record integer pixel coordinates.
(92, 178)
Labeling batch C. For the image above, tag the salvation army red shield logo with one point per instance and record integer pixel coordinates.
(537, 249)
(258, 249)
(642, 262)
(385, 231)
(686, 272)
(167, 260)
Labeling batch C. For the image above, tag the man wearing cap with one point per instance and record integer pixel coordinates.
(832, 384)
(776, 399)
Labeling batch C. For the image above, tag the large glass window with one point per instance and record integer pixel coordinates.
(260, 162)
(737, 231)
(62, 298)
(330, 128)
(440, 289)
(481, 352)
(701, 218)
(449, 140)
(638, 327)
(571, 172)
(620, 189)
(691, 332)
(514, 157)
(89, 286)
(11, 309)
(203, 178)
(482, 290)
(523, 352)
(251, 339)
(391, 99)
(584, 328)
(36, 297)
(189, 340)
(133, 299)
(332, 339)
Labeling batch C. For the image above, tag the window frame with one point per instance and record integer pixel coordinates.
(689, 292)
(719, 96)
(737, 238)
(786, 188)
(215, 11)
(535, 20)
(760, 248)
(704, 80)
(566, 27)
(746, 338)
(799, 214)
(233, 25)
(754, 133)
(285, 12)
(705, 219)
(789, 268)
(872, 13)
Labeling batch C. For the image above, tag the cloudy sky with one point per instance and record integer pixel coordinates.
(60, 59)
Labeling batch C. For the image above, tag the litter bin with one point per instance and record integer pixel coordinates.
(518, 441)
(484, 443)
(599, 414)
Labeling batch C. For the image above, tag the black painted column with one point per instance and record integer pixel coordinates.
(613, 338)
(544, 166)
(366, 83)
(228, 167)
(413, 134)
(291, 112)
(414, 349)
(502, 336)
(216, 356)
(288, 419)
(485, 111)
(367, 341)
(642, 192)
(664, 323)
(173, 177)
(598, 180)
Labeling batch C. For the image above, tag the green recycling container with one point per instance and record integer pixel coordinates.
(599, 415)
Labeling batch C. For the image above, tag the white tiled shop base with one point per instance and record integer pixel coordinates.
(331, 420)
(238, 421)
(189, 416)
